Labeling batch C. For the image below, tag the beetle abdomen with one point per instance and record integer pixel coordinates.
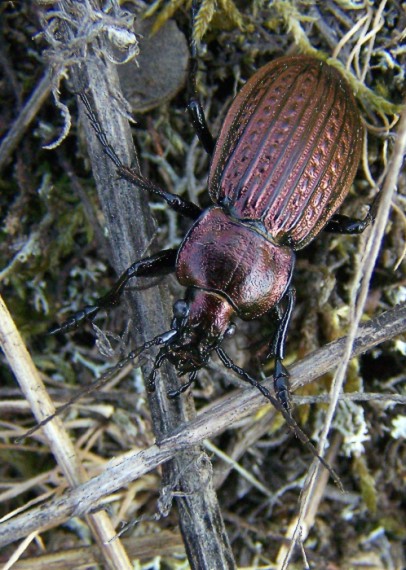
(289, 149)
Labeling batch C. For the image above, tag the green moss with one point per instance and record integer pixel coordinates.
(367, 484)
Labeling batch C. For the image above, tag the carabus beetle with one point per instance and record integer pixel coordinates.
(284, 161)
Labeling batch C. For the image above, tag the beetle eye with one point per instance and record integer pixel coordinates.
(230, 331)
(180, 309)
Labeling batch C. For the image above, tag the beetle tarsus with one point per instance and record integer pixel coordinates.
(164, 339)
(101, 135)
(87, 313)
(150, 384)
(281, 385)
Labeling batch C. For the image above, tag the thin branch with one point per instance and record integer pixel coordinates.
(130, 228)
(62, 447)
(24, 119)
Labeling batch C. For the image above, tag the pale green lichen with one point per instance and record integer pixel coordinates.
(217, 14)
(292, 20)
(399, 427)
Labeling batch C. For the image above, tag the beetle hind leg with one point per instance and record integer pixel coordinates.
(177, 203)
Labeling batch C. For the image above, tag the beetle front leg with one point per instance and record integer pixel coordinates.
(156, 265)
(281, 375)
(195, 108)
(183, 387)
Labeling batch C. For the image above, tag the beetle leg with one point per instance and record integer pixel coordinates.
(161, 263)
(195, 108)
(198, 120)
(183, 387)
(281, 375)
(228, 363)
(162, 355)
(341, 224)
(281, 385)
(183, 207)
(178, 204)
(279, 338)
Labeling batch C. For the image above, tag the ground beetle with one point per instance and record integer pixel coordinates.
(283, 163)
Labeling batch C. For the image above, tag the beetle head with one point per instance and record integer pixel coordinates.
(202, 321)
(199, 325)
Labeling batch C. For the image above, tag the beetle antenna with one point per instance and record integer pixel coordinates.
(300, 434)
(132, 356)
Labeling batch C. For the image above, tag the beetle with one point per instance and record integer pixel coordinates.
(284, 160)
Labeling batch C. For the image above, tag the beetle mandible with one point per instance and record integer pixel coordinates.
(284, 161)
